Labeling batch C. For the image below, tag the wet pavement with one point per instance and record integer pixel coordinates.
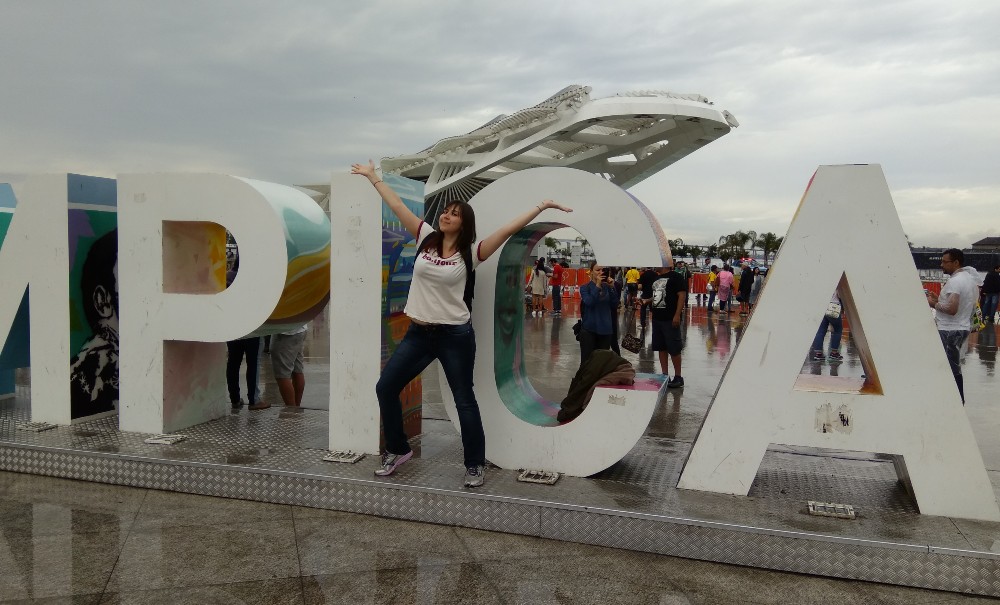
(65, 541)
(72, 542)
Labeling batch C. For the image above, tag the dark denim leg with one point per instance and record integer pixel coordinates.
(604, 341)
(557, 298)
(838, 333)
(251, 348)
(990, 306)
(412, 355)
(457, 354)
(233, 362)
(588, 342)
(821, 334)
(953, 341)
(614, 336)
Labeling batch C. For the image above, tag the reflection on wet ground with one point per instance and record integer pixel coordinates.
(89, 543)
(86, 543)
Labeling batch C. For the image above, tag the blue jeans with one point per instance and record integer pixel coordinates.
(557, 298)
(455, 348)
(990, 306)
(838, 332)
(953, 341)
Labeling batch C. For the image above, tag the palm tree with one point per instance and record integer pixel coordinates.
(733, 246)
(551, 244)
(677, 247)
(769, 242)
(751, 241)
(695, 252)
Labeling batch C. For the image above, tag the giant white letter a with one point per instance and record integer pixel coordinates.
(845, 232)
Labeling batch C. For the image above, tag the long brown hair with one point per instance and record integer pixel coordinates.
(466, 235)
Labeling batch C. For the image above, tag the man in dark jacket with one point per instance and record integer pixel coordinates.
(991, 294)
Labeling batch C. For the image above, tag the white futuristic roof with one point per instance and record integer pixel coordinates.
(626, 138)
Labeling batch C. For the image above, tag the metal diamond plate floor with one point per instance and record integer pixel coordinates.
(275, 455)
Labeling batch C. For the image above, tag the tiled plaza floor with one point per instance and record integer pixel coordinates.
(65, 541)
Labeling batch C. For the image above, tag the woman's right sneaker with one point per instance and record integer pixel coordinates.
(475, 475)
(817, 356)
(836, 355)
(390, 462)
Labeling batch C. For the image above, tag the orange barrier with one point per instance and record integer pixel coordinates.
(933, 286)
(698, 283)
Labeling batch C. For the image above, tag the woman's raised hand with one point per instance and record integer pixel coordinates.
(365, 171)
(550, 204)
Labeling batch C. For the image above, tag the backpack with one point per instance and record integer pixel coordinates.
(660, 293)
(470, 279)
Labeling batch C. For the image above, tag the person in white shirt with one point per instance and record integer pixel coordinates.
(440, 315)
(953, 309)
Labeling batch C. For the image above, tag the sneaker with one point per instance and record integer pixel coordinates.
(237, 404)
(260, 405)
(836, 355)
(817, 356)
(676, 382)
(475, 475)
(390, 462)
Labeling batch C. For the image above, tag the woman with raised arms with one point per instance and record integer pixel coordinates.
(441, 326)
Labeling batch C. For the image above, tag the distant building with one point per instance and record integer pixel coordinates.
(987, 243)
(928, 260)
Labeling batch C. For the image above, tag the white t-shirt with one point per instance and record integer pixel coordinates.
(438, 284)
(964, 283)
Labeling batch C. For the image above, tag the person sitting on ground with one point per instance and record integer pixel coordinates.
(602, 368)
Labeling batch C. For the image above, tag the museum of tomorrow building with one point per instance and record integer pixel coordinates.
(116, 299)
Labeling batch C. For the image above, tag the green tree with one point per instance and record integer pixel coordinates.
(733, 246)
(694, 251)
(552, 245)
(769, 244)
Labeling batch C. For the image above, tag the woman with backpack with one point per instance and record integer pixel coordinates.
(440, 320)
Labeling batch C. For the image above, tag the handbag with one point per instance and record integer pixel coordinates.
(630, 342)
(833, 310)
(977, 322)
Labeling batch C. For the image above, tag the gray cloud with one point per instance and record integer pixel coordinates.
(290, 91)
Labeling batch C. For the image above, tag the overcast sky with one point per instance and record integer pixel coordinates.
(288, 92)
